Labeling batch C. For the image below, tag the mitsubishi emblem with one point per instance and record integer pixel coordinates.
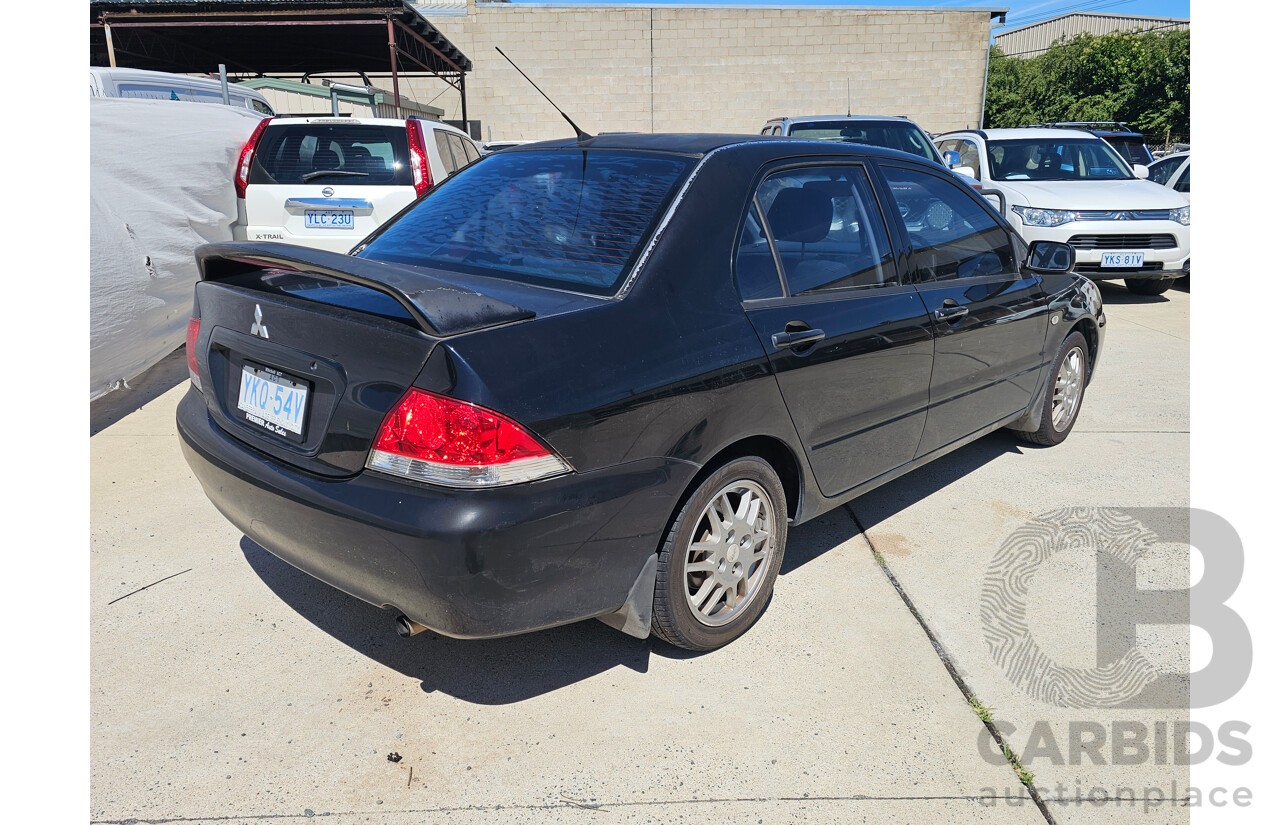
(258, 328)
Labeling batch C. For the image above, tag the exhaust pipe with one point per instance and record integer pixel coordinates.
(406, 627)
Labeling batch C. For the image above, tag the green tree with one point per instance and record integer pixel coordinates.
(1141, 78)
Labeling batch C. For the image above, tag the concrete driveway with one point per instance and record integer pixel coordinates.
(235, 689)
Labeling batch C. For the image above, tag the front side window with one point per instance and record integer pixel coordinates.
(573, 219)
(1051, 159)
(1184, 183)
(950, 234)
(1160, 171)
(827, 228)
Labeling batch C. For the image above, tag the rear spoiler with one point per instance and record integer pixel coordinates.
(437, 306)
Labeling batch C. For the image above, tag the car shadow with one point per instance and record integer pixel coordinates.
(885, 501)
(516, 668)
(1119, 295)
(483, 672)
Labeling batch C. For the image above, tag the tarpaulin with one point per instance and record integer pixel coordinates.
(160, 184)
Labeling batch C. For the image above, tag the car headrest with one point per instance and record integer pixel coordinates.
(801, 215)
(325, 159)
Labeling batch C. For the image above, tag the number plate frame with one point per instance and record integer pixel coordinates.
(324, 219)
(1123, 260)
(297, 393)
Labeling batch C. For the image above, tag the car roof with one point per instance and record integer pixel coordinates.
(702, 144)
(847, 118)
(692, 144)
(285, 120)
(1026, 134)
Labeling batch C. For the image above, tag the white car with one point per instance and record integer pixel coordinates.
(1069, 185)
(1173, 171)
(327, 182)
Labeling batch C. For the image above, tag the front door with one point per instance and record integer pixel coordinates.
(989, 318)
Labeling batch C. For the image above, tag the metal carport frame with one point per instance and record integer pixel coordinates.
(275, 37)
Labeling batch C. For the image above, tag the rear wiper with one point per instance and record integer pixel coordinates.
(323, 172)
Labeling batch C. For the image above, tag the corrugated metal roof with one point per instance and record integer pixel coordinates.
(1035, 38)
(314, 90)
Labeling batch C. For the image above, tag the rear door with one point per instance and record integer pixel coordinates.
(850, 344)
(989, 319)
(326, 183)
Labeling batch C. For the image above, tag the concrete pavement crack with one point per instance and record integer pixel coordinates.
(969, 695)
(545, 806)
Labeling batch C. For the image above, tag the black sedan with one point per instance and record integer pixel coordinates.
(601, 377)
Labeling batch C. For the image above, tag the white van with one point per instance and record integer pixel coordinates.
(139, 83)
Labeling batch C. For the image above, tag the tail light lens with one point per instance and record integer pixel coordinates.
(418, 157)
(246, 156)
(440, 440)
(193, 332)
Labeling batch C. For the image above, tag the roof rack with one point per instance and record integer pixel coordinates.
(1088, 125)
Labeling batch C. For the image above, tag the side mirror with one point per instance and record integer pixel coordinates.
(1051, 256)
(964, 170)
(1141, 172)
(952, 158)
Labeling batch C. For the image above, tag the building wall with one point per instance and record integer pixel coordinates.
(666, 69)
(1029, 41)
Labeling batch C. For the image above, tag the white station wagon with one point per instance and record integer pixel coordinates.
(1070, 186)
(327, 182)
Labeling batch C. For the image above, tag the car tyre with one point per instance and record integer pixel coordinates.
(1148, 286)
(721, 556)
(1065, 394)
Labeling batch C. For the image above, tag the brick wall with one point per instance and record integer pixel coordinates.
(711, 70)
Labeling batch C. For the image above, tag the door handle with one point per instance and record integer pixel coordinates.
(799, 338)
(950, 313)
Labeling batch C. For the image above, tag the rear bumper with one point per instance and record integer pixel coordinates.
(468, 564)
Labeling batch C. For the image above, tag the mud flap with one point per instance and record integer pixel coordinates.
(635, 615)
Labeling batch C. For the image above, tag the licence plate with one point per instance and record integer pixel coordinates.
(271, 400)
(1123, 260)
(329, 219)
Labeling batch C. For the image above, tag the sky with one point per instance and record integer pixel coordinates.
(1021, 12)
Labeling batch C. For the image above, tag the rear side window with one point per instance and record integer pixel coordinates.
(827, 228)
(573, 219)
(446, 152)
(322, 153)
(470, 148)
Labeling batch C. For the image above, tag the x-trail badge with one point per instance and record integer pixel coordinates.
(258, 328)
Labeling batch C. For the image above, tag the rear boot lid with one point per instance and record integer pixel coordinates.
(301, 352)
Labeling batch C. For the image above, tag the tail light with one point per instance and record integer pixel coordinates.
(440, 440)
(418, 157)
(246, 156)
(193, 332)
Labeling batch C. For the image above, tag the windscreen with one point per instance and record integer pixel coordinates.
(352, 154)
(572, 219)
(889, 134)
(1133, 149)
(1046, 159)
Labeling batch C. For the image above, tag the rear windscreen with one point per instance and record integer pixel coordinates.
(892, 134)
(322, 153)
(573, 219)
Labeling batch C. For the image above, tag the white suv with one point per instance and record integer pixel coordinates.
(327, 182)
(1069, 185)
